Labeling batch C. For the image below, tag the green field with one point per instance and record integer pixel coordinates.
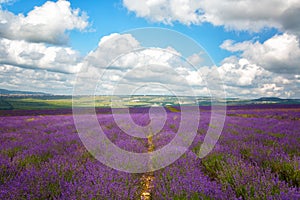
(58, 101)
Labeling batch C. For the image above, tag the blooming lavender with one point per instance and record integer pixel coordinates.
(257, 157)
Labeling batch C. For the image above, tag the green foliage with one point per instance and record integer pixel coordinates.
(54, 190)
(212, 164)
(172, 109)
(243, 115)
(241, 191)
(86, 156)
(6, 174)
(35, 160)
(245, 152)
(291, 150)
(196, 149)
(237, 175)
(285, 170)
(269, 143)
(275, 190)
(11, 153)
(68, 175)
(234, 132)
(277, 135)
(259, 131)
(173, 127)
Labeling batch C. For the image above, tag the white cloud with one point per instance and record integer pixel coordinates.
(39, 56)
(166, 11)
(16, 78)
(270, 68)
(240, 74)
(289, 20)
(146, 57)
(237, 14)
(280, 54)
(109, 47)
(246, 14)
(134, 67)
(137, 68)
(47, 23)
(243, 79)
(196, 59)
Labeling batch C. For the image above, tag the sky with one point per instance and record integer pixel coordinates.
(249, 48)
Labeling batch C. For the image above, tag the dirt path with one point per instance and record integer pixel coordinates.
(148, 178)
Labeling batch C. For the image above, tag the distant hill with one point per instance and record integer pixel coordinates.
(275, 100)
(27, 100)
(262, 100)
(16, 92)
(269, 99)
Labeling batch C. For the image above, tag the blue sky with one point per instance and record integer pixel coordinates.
(254, 47)
(108, 17)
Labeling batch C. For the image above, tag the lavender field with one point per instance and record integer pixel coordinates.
(256, 157)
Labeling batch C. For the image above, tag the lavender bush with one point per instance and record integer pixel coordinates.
(257, 157)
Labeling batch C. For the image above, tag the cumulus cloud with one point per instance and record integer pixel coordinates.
(39, 56)
(120, 64)
(270, 68)
(241, 73)
(166, 11)
(96, 62)
(246, 14)
(47, 23)
(289, 20)
(247, 80)
(279, 54)
(151, 70)
(237, 15)
(16, 78)
(109, 48)
(138, 68)
(196, 59)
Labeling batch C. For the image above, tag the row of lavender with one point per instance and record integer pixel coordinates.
(257, 157)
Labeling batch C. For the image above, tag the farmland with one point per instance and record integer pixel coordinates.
(256, 157)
